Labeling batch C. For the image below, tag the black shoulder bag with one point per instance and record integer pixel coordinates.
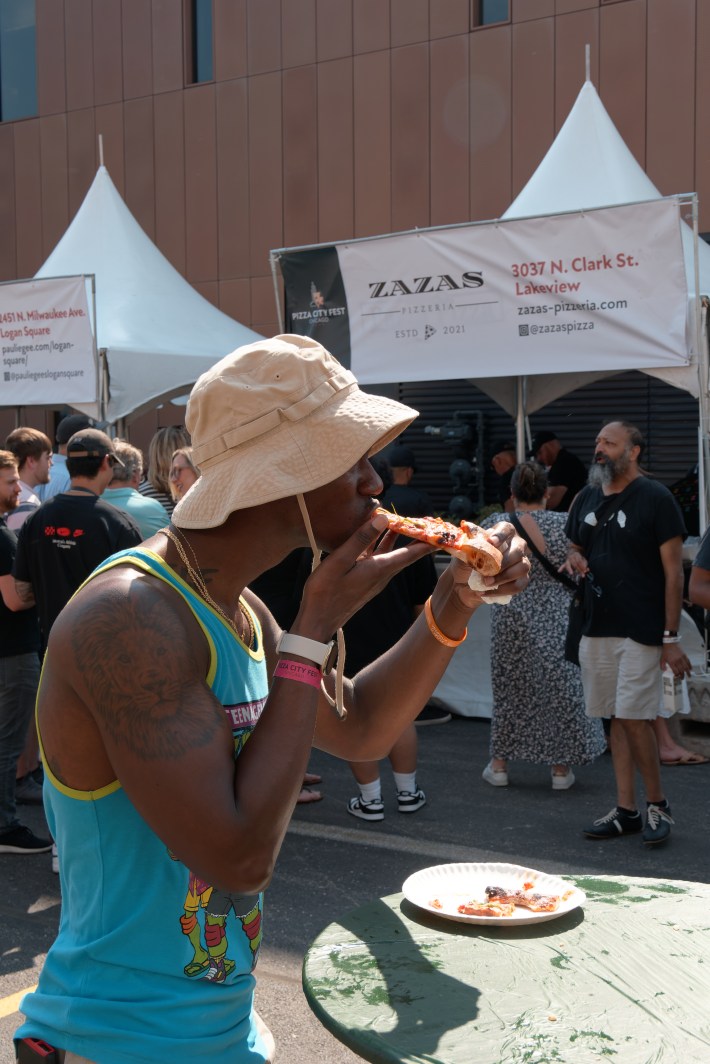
(577, 607)
(569, 583)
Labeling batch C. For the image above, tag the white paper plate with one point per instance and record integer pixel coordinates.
(454, 884)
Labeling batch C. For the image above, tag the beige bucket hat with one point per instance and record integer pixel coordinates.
(277, 418)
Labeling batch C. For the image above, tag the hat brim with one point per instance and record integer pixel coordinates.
(294, 459)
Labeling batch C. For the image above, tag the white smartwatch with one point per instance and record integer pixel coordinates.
(323, 654)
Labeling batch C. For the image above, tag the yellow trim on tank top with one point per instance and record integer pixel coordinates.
(138, 563)
(257, 654)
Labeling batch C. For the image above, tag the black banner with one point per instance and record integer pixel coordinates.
(315, 299)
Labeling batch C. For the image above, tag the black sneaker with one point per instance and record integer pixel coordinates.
(658, 824)
(615, 823)
(21, 840)
(366, 810)
(432, 715)
(410, 801)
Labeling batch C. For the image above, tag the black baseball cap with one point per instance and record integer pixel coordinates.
(71, 424)
(401, 457)
(503, 445)
(539, 438)
(92, 443)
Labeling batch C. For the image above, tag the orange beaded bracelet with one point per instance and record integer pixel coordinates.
(437, 632)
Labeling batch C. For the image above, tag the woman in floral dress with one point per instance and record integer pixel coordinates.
(538, 703)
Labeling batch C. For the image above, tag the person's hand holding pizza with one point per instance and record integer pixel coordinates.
(512, 577)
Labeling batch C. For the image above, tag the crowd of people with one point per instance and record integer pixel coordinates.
(191, 597)
(544, 710)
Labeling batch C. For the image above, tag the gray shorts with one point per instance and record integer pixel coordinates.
(620, 678)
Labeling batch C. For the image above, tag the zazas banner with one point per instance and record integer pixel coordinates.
(604, 289)
(46, 343)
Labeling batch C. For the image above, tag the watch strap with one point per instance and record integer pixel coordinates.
(305, 648)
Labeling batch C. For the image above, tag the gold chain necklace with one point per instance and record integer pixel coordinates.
(195, 574)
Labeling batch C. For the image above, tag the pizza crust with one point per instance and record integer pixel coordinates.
(476, 583)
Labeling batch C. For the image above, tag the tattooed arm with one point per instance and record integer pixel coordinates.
(24, 593)
(124, 697)
(8, 591)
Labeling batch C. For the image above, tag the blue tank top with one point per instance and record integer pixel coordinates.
(151, 963)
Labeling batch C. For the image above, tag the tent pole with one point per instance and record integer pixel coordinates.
(272, 261)
(520, 389)
(103, 383)
(702, 356)
(98, 361)
(703, 439)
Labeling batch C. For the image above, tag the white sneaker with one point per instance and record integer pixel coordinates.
(495, 778)
(410, 801)
(55, 859)
(366, 810)
(563, 783)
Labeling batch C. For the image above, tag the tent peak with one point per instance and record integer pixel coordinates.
(159, 333)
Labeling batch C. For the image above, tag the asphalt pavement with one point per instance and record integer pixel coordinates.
(331, 862)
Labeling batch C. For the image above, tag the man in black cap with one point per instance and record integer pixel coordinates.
(566, 475)
(503, 462)
(400, 496)
(58, 475)
(68, 536)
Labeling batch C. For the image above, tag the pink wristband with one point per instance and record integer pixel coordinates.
(296, 670)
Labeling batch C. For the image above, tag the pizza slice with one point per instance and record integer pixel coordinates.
(466, 541)
(536, 903)
(492, 907)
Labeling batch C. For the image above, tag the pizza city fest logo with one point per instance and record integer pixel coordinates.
(318, 312)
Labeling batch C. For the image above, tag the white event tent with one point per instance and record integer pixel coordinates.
(155, 333)
(588, 166)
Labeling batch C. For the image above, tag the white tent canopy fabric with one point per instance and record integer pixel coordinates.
(589, 165)
(158, 332)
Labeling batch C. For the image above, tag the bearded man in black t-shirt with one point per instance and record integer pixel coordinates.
(626, 534)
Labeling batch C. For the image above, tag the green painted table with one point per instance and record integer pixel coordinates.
(626, 979)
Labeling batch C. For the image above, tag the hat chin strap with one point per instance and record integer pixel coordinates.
(337, 703)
